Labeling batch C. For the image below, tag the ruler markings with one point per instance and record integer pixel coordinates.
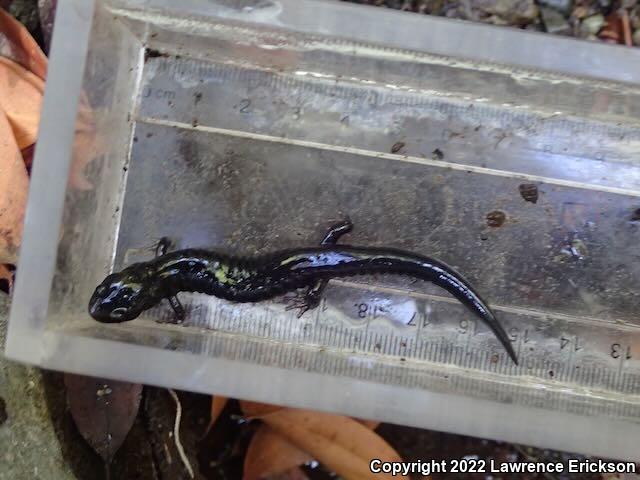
(447, 106)
(341, 337)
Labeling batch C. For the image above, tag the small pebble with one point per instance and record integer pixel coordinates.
(554, 21)
(563, 6)
(529, 192)
(592, 25)
(580, 12)
(396, 147)
(496, 219)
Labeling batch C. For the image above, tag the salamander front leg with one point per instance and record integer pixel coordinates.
(336, 231)
(313, 296)
(177, 307)
(164, 244)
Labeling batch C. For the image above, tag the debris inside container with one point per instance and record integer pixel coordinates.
(529, 192)
(496, 218)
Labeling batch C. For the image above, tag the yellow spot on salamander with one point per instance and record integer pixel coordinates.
(222, 275)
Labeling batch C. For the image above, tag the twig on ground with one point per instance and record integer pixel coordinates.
(176, 434)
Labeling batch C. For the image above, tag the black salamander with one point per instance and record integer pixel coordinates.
(123, 296)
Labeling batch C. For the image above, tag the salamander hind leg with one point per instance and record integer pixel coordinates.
(313, 296)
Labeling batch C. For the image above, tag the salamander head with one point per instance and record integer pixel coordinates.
(122, 296)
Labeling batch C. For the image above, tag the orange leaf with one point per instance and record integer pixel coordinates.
(267, 460)
(21, 99)
(255, 409)
(269, 454)
(14, 186)
(370, 424)
(87, 146)
(27, 155)
(332, 455)
(340, 443)
(5, 274)
(20, 46)
(217, 406)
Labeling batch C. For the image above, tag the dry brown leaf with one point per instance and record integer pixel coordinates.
(85, 121)
(255, 409)
(21, 89)
(340, 443)
(269, 454)
(103, 410)
(370, 424)
(333, 455)
(87, 146)
(21, 99)
(14, 186)
(5, 275)
(20, 46)
(27, 156)
(217, 406)
(349, 432)
(265, 459)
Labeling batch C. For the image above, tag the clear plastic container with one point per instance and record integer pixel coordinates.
(251, 126)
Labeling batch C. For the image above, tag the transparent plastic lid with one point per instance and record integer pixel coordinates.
(251, 126)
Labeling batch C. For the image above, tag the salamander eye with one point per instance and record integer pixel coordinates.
(118, 313)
